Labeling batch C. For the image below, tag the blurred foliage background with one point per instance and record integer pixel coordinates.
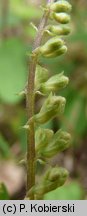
(16, 38)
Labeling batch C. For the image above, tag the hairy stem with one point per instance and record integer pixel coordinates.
(30, 107)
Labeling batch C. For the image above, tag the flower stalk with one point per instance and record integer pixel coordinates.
(30, 107)
(53, 105)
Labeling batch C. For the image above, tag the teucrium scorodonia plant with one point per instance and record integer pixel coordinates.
(44, 143)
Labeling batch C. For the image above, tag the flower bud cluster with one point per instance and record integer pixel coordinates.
(53, 106)
(59, 142)
(48, 143)
(59, 11)
(53, 178)
(54, 84)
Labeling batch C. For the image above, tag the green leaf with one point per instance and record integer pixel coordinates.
(12, 69)
(3, 192)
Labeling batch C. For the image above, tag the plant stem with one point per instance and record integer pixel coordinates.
(30, 107)
(4, 14)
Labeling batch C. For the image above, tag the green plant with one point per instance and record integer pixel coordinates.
(43, 143)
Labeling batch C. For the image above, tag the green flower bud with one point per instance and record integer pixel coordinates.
(51, 45)
(61, 17)
(42, 138)
(41, 75)
(60, 141)
(59, 30)
(54, 178)
(57, 53)
(53, 174)
(61, 6)
(55, 83)
(54, 105)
